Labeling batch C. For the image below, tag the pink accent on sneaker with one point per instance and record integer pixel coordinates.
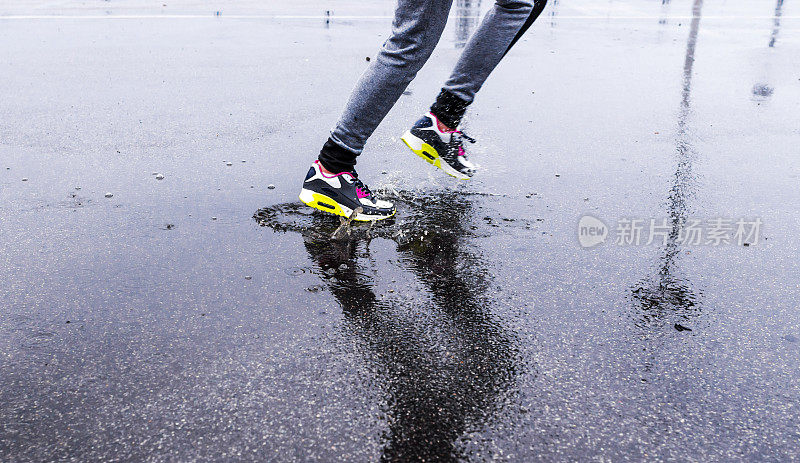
(330, 176)
(435, 119)
(361, 193)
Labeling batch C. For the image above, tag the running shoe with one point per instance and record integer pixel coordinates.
(444, 150)
(342, 194)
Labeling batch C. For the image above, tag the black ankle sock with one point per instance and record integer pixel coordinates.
(449, 109)
(337, 159)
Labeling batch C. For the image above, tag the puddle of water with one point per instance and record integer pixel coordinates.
(447, 364)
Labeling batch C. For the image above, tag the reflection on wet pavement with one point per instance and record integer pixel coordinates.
(778, 12)
(665, 7)
(667, 297)
(553, 12)
(437, 386)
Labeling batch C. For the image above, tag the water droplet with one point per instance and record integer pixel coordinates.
(294, 271)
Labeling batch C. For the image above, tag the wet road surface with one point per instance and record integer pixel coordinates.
(204, 316)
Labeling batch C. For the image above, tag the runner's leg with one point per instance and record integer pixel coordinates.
(502, 27)
(416, 30)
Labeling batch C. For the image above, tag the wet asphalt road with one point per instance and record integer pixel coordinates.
(204, 316)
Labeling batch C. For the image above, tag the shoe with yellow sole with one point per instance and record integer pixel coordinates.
(444, 150)
(343, 194)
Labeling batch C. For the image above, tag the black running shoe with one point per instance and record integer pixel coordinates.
(431, 144)
(341, 194)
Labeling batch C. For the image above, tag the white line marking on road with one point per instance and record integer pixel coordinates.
(333, 18)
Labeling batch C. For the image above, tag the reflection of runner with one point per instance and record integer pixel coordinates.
(332, 184)
(435, 396)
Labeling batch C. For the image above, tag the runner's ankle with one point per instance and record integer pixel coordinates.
(442, 127)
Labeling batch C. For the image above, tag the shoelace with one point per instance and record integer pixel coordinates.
(359, 184)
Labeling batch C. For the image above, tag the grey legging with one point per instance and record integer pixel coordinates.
(417, 27)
